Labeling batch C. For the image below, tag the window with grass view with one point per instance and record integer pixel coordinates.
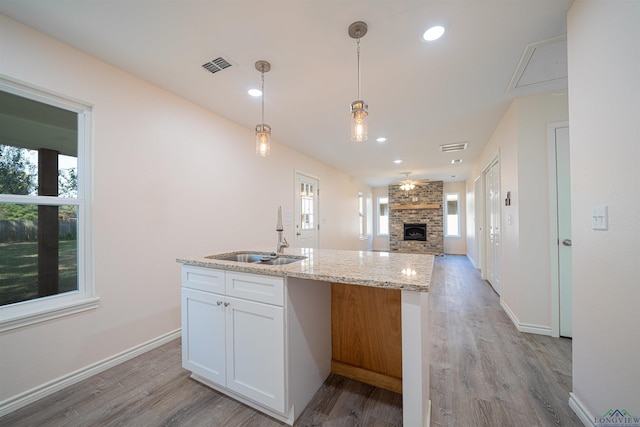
(42, 201)
(383, 216)
(452, 214)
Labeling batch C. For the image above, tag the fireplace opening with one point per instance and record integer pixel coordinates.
(415, 232)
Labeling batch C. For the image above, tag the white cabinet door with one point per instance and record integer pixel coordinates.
(203, 334)
(255, 352)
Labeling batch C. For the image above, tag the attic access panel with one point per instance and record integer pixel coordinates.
(541, 62)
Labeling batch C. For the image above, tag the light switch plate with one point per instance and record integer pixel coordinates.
(599, 218)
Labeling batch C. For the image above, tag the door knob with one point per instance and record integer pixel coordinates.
(566, 242)
(298, 234)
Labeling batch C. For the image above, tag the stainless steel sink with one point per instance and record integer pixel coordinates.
(281, 261)
(258, 258)
(241, 257)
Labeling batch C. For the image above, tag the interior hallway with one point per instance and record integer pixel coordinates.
(483, 373)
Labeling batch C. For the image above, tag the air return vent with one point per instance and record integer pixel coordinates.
(216, 65)
(448, 148)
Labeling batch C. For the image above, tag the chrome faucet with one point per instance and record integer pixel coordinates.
(282, 241)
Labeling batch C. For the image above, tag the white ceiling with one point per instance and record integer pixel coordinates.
(421, 95)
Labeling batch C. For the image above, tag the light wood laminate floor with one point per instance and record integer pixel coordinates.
(483, 373)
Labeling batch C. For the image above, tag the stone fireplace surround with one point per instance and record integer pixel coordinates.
(429, 194)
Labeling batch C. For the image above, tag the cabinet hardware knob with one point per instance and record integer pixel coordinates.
(218, 302)
(566, 242)
(226, 304)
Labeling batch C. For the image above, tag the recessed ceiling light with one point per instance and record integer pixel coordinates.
(433, 33)
(397, 162)
(255, 92)
(381, 139)
(456, 161)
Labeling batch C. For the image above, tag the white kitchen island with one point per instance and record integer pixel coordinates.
(293, 305)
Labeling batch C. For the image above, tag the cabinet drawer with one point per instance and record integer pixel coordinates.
(203, 279)
(267, 289)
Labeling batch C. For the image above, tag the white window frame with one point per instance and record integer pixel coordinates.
(362, 216)
(379, 214)
(13, 316)
(446, 214)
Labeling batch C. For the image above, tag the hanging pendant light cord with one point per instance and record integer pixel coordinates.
(358, 51)
(262, 74)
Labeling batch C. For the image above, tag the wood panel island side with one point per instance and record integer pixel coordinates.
(269, 335)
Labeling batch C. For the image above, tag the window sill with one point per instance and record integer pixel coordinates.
(44, 309)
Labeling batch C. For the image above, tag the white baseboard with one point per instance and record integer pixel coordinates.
(23, 399)
(473, 263)
(585, 416)
(427, 417)
(524, 327)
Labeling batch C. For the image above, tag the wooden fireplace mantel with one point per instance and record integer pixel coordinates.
(406, 207)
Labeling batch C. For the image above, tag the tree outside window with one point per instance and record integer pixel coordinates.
(44, 140)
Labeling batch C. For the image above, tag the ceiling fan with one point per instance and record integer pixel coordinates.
(407, 184)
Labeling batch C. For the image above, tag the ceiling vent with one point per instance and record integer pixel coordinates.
(448, 148)
(216, 65)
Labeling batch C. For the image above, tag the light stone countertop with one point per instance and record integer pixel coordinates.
(378, 269)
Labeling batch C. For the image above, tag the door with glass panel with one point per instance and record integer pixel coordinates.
(307, 207)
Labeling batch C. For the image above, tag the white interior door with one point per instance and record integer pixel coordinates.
(492, 229)
(479, 214)
(563, 194)
(307, 208)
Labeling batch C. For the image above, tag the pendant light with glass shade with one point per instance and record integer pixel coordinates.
(359, 108)
(263, 131)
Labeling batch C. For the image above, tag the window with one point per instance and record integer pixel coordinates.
(362, 216)
(307, 221)
(383, 216)
(45, 269)
(452, 214)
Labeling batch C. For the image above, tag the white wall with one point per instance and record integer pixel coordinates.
(520, 140)
(604, 107)
(534, 114)
(504, 138)
(171, 179)
(457, 245)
